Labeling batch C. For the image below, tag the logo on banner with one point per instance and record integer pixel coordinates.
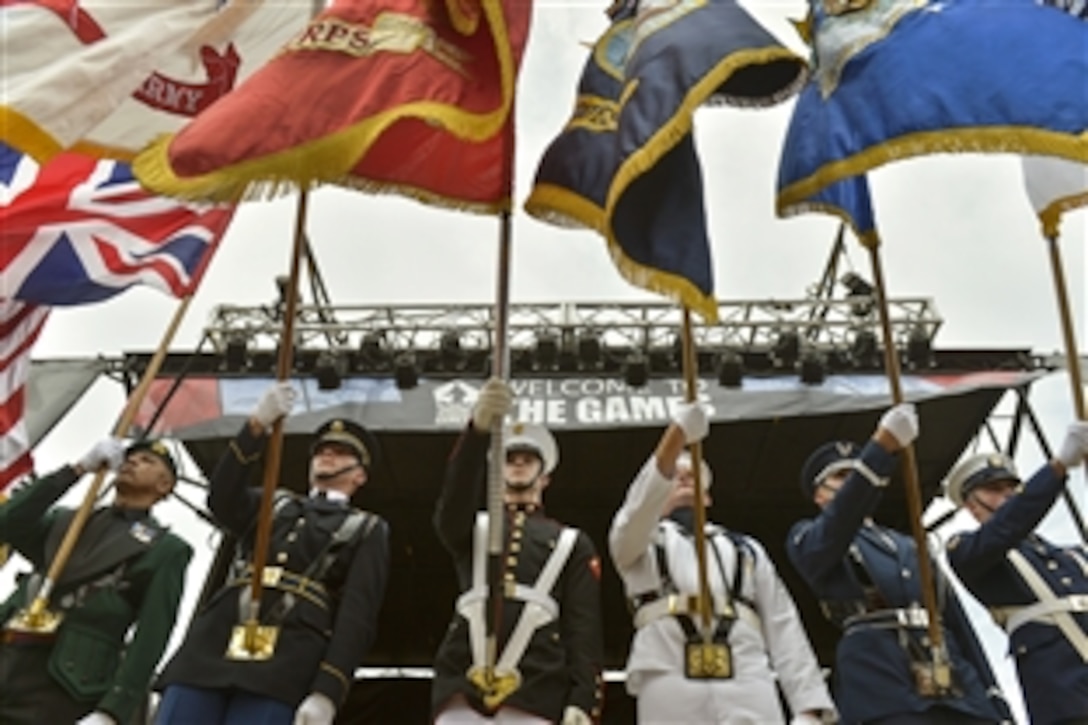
(453, 402)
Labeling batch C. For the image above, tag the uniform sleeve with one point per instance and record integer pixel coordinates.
(230, 497)
(154, 623)
(788, 646)
(23, 520)
(972, 555)
(634, 524)
(581, 629)
(818, 546)
(462, 492)
(357, 615)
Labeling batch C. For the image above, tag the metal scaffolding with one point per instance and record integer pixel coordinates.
(786, 328)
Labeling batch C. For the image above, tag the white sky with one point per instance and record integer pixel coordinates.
(957, 229)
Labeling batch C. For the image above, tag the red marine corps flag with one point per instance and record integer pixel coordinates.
(402, 96)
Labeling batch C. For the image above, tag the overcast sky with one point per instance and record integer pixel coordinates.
(956, 229)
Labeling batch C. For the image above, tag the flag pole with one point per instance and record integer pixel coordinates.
(941, 672)
(691, 395)
(250, 640)
(1072, 358)
(37, 617)
(492, 684)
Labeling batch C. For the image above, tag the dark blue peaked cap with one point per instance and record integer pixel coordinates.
(825, 460)
(349, 433)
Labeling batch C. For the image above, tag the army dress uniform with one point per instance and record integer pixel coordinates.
(323, 594)
(866, 578)
(1037, 591)
(754, 616)
(561, 664)
(126, 570)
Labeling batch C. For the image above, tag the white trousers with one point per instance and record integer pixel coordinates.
(669, 698)
(458, 712)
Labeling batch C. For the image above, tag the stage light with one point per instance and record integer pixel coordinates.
(237, 351)
(813, 368)
(589, 349)
(730, 369)
(546, 351)
(864, 352)
(919, 348)
(787, 348)
(449, 350)
(405, 371)
(678, 351)
(330, 369)
(636, 370)
(372, 352)
(859, 288)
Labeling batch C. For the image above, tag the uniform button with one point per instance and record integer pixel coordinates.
(555, 636)
(508, 576)
(515, 547)
(906, 573)
(511, 561)
(1052, 565)
(516, 534)
(292, 536)
(301, 522)
(1021, 650)
(1066, 581)
(281, 557)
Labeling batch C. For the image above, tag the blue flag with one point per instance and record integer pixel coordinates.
(902, 78)
(626, 165)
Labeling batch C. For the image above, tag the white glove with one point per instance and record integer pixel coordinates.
(96, 718)
(575, 716)
(806, 718)
(691, 418)
(902, 422)
(316, 709)
(109, 452)
(276, 403)
(1075, 446)
(492, 404)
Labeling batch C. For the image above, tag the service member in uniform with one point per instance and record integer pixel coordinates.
(549, 644)
(1034, 589)
(755, 625)
(323, 585)
(126, 572)
(866, 577)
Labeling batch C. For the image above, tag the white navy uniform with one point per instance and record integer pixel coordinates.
(767, 638)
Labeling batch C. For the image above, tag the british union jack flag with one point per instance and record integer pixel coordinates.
(80, 229)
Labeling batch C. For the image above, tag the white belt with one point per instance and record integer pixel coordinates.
(909, 618)
(519, 592)
(1059, 616)
(673, 604)
(1016, 617)
(540, 608)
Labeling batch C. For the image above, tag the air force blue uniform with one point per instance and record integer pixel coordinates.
(866, 576)
(1053, 671)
